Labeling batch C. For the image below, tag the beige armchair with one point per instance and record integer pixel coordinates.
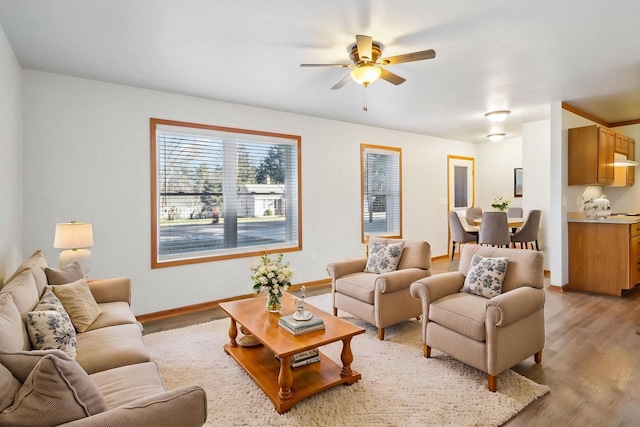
(381, 299)
(490, 334)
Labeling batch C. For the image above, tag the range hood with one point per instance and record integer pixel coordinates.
(621, 160)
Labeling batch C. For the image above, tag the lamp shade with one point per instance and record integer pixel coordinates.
(366, 74)
(73, 235)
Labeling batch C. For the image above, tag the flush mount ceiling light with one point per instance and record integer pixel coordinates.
(366, 74)
(496, 137)
(497, 116)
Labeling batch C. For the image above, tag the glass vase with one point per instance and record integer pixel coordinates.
(274, 302)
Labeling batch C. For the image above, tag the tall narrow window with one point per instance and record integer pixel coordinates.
(221, 193)
(381, 170)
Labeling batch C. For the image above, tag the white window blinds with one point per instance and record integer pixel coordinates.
(381, 191)
(222, 192)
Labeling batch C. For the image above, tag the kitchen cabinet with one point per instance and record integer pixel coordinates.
(604, 256)
(591, 153)
(624, 176)
(631, 171)
(622, 144)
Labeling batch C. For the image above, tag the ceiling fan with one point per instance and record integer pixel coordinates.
(367, 63)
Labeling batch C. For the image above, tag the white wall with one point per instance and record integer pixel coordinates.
(494, 172)
(86, 149)
(10, 159)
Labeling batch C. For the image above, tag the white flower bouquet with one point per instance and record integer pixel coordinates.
(272, 276)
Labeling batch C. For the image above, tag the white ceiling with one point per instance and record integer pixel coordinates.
(491, 54)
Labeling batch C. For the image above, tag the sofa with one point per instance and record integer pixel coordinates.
(490, 313)
(71, 353)
(381, 297)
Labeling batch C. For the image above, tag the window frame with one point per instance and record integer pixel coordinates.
(364, 148)
(155, 223)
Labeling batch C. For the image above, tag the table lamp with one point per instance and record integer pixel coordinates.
(75, 238)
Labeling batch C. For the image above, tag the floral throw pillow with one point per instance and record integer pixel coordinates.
(384, 258)
(486, 276)
(49, 329)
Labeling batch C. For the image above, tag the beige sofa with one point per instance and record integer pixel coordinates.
(381, 299)
(111, 382)
(490, 334)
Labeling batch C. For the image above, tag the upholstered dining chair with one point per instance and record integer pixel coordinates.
(494, 229)
(471, 214)
(458, 233)
(515, 213)
(491, 332)
(381, 299)
(528, 233)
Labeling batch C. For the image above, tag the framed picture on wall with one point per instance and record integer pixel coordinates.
(517, 182)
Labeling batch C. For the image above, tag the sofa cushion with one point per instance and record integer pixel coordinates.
(125, 384)
(107, 348)
(22, 362)
(486, 276)
(55, 392)
(383, 258)
(49, 329)
(68, 274)
(40, 278)
(78, 302)
(461, 312)
(358, 285)
(36, 260)
(9, 386)
(13, 333)
(113, 313)
(24, 292)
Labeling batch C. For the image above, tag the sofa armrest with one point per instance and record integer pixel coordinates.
(186, 406)
(400, 279)
(111, 290)
(508, 308)
(342, 268)
(435, 287)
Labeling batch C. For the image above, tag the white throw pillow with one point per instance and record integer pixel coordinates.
(384, 258)
(486, 276)
(49, 329)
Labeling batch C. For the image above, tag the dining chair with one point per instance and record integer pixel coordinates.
(528, 233)
(471, 214)
(515, 213)
(494, 230)
(458, 233)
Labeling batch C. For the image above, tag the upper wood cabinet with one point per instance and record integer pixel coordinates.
(631, 155)
(622, 144)
(591, 153)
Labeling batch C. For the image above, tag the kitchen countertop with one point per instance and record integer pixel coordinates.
(611, 219)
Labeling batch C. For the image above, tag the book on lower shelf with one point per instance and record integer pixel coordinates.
(304, 358)
(304, 362)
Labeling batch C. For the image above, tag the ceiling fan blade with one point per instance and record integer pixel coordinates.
(364, 44)
(328, 65)
(341, 82)
(408, 57)
(391, 78)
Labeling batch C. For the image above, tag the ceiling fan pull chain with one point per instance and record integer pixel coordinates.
(364, 101)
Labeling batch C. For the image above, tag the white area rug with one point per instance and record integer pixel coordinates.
(399, 387)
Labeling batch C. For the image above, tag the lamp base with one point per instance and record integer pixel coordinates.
(83, 256)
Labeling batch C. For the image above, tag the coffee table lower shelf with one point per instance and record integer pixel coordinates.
(264, 368)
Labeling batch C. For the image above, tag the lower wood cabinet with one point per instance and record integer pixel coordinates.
(604, 257)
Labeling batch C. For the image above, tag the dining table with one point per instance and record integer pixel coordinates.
(514, 223)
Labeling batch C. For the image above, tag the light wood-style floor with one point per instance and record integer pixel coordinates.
(591, 360)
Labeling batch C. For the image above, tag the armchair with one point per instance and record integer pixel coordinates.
(490, 334)
(381, 299)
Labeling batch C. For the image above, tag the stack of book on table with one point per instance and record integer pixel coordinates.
(299, 327)
(305, 358)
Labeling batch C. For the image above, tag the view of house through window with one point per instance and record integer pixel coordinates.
(381, 170)
(222, 193)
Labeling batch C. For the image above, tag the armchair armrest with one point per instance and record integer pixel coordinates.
(111, 290)
(186, 406)
(342, 268)
(435, 287)
(508, 308)
(399, 279)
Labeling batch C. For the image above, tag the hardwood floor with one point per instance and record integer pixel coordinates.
(591, 360)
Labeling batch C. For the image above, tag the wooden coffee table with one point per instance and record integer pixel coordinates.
(286, 386)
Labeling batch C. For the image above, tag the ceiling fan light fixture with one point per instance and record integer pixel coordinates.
(497, 116)
(366, 74)
(496, 137)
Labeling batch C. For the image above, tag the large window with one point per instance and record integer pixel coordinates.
(221, 193)
(381, 170)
